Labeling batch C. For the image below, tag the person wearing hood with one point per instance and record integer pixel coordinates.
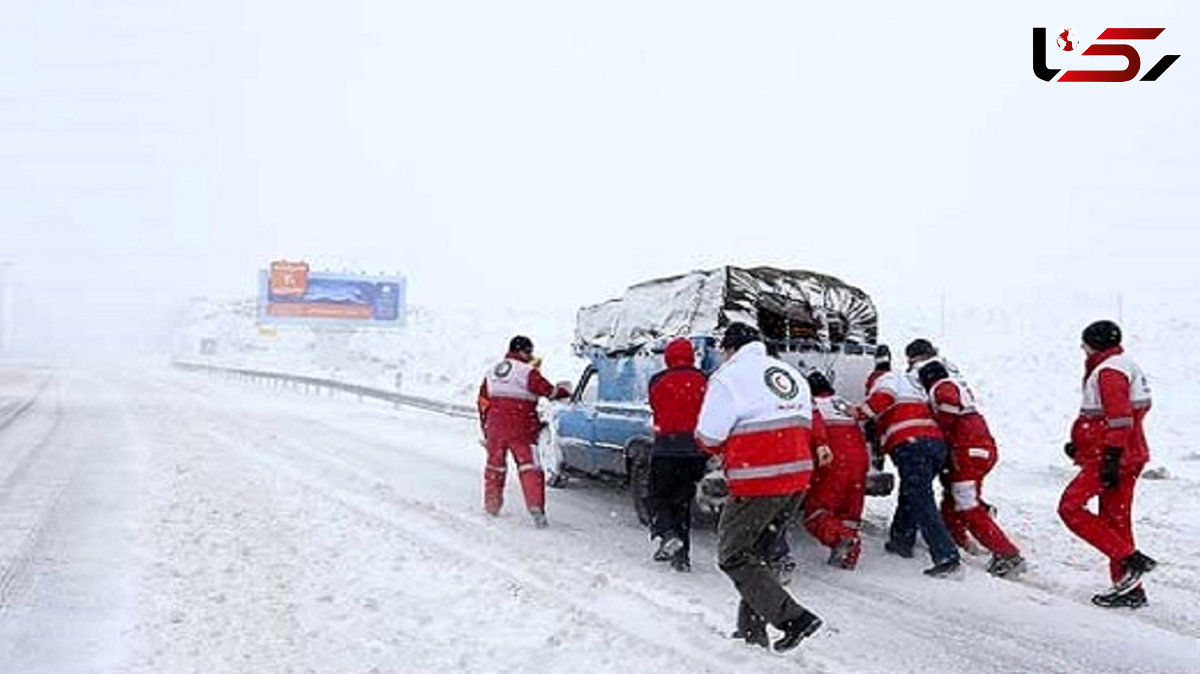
(1109, 446)
(676, 463)
(507, 405)
(757, 416)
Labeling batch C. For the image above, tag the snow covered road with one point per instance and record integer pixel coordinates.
(170, 522)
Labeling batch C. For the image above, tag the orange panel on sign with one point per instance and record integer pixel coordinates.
(289, 278)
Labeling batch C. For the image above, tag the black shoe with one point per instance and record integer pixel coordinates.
(796, 630)
(752, 637)
(844, 554)
(1135, 598)
(668, 548)
(539, 519)
(946, 569)
(895, 549)
(1135, 565)
(661, 554)
(681, 563)
(1005, 566)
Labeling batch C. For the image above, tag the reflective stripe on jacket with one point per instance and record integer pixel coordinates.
(508, 400)
(902, 411)
(757, 413)
(1116, 398)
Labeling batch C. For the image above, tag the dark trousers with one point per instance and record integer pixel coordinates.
(741, 555)
(672, 487)
(918, 463)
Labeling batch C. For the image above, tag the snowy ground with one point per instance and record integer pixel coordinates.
(439, 354)
(159, 521)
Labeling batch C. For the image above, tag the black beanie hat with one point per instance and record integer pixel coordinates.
(739, 334)
(919, 348)
(931, 373)
(520, 344)
(1102, 335)
(819, 384)
(883, 358)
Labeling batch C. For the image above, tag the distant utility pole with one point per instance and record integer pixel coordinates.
(942, 312)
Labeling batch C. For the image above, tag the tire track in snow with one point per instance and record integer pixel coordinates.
(615, 603)
(903, 611)
(29, 496)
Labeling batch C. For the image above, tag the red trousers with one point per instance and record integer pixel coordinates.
(533, 484)
(962, 506)
(834, 503)
(1111, 531)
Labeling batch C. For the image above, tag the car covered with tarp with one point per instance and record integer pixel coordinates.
(809, 319)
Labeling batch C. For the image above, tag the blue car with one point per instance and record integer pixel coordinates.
(606, 430)
(811, 320)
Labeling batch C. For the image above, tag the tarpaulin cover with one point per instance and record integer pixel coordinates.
(783, 303)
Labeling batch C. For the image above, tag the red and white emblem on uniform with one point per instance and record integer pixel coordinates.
(781, 383)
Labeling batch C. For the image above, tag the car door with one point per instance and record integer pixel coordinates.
(617, 424)
(577, 422)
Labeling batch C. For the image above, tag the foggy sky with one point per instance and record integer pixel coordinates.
(552, 153)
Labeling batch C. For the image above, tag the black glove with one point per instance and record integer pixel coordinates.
(1110, 470)
(1069, 450)
(877, 458)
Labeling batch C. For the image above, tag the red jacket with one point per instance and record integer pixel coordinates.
(901, 410)
(1116, 399)
(871, 379)
(835, 426)
(675, 398)
(507, 400)
(955, 412)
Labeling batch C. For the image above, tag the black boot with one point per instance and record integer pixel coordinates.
(1005, 566)
(661, 554)
(896, 549)
(750, 626)
(796, 630)
(946, 569)
(1135, 565)
(1135, 598)
(680, 562)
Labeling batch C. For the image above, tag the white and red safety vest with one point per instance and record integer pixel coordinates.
(957, 414)
(508, 400)
(757, 413)
(1116, 398)
(901, 410)
(839, 430)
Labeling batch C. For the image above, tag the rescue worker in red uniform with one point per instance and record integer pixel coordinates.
(507, 406)
(676, 462)
(899, 408)
(1109, 446)
(972, 456)
(834, 503)
(757, 415)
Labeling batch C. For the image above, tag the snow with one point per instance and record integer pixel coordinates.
(438, 354)
(162, 521)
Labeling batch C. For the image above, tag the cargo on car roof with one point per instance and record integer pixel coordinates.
(794, 309)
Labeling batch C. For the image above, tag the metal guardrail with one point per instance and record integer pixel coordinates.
(439, 406)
